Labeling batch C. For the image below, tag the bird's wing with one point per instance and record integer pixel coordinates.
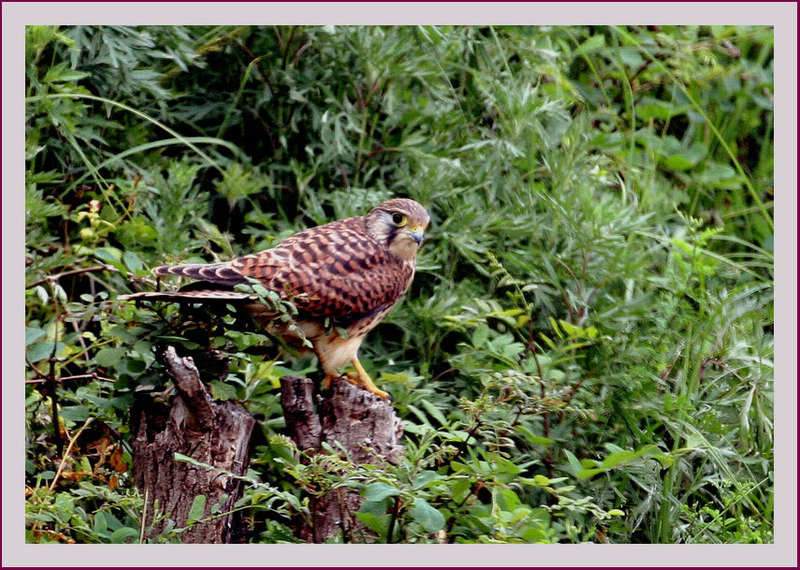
(334, 271)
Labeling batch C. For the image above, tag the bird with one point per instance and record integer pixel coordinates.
(343, 277)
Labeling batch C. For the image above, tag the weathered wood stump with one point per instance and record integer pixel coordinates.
(214, 434)
(363, 424)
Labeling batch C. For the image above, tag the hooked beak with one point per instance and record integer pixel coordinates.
(416, 233)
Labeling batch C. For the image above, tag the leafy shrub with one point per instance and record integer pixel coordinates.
(586, 352)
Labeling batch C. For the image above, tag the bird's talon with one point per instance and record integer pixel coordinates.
(366, 382)
(356, 380)
(380, 393)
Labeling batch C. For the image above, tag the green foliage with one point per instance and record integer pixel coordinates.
(586, 353)
(87, 514)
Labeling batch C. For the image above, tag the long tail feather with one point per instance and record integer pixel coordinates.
(220, 273)
(189, 296)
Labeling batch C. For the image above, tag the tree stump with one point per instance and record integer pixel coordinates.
(216, 435)
(363, 424)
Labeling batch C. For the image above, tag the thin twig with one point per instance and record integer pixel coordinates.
(144, 515)
(463, 446)
(259, 67)
(68, 451)
(94, 375)
(57, 276)
(435, 378)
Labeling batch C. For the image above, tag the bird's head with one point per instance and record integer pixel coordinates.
(400, 225)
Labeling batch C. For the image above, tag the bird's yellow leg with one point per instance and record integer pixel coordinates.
(326, 382)
(363, 380)
(360, 378)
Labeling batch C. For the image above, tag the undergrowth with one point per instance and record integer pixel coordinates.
(586, 353)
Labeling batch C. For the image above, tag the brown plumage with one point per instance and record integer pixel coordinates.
(343, 275)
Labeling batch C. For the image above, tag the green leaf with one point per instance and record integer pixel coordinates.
(574, 465)
(594, 43)
(541, 480)
(135, 232)
(507, 499)
(63, 74)
(696, 441)
(376, 523)
(534, 438)
(631, 57)
(132, 262)
(686, 158)
(124, 535)
(75, 413)
(197, 510)
(44, 517)
(427, 516)
(111, 522)
(135, 365)
(460, 489)
(617, 459)
(678, 162)
(717, 175)
(419, 413)
(109, 356)
(42, 350)
(434, 411)
(425, 477)
(222, 391)
(378, 491)
(480, 335)
(32, 335)
(650, 109)
(109, 254)
(507, 468)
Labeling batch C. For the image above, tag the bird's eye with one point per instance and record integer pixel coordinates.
(399, 219)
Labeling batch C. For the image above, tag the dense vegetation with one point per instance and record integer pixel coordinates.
(586, 353)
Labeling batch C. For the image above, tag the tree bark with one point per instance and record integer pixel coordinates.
(363, 424)
(214, 434)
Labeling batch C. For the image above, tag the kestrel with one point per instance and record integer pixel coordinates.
(343, 277)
